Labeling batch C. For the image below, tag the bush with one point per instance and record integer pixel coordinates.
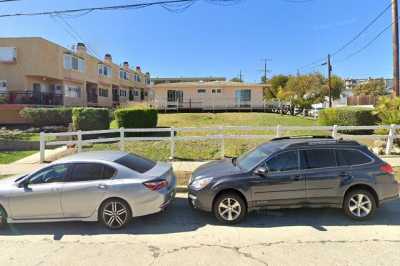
(388, 110)
(90, 119)
(41, 117)
(349, 116)
(136, 118)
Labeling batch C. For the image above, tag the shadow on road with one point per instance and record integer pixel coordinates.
(180, 218)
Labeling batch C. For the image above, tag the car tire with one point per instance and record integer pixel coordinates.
(3, 218)
(229, 208)
(359, 204)
(115, 214)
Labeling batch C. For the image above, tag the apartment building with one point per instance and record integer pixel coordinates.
(39, 72)
(214, 95)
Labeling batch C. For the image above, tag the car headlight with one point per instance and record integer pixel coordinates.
(201, 183)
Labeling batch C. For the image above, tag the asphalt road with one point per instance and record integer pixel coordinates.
(180, 236)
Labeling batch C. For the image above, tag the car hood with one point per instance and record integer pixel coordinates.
(7, 183)
(216, 169)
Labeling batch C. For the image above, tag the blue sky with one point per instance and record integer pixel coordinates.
(218, 40)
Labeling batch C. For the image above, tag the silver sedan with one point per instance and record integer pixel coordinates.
(110, 187)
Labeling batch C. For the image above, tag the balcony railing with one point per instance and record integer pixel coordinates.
(28, 97)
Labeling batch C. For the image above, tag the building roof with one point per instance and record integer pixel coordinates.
(209, 84)
(188, 79)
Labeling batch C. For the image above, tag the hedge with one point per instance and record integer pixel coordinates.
(41, 117)
(348, 116)
(90, 118)
(136, 118)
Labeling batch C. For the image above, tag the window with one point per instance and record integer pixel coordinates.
(56, 173)
(216, 91)
(90, 172)
(123, 75)
(103, 92)
(136, 163)
(122, 93)
(252, 158)
(318, 158)
(201, 91)
(104, 70)
(8, 54)
(74, 63)
(351, 157)
(72, 91)
(286, 161)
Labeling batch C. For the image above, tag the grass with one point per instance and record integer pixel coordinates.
(4, 176)
(211, 149)
(7, 157)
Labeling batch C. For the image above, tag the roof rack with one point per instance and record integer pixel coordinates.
(303, 137)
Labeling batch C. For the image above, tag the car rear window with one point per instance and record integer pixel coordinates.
(318, 158)
(351, 157)
(136, 163)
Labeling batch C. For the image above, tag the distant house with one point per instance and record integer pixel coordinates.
(214, 95)
(157, 81)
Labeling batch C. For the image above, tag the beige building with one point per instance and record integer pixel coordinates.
(37, 71)
(215, 95)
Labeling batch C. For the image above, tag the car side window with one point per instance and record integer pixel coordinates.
(52, 174)
(318, 158)
(285, 161)
(90, 172)
(351, 157)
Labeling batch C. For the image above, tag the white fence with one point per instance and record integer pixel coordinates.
(173, 137)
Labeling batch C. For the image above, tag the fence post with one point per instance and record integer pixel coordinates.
(222, 135)
(172, 144)
(42, 146)
(334, 131)
(278, 131)
(79, 141)
(391, 136)
(122, 139)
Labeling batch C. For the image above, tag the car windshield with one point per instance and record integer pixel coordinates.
(136, 163)
(250, 159)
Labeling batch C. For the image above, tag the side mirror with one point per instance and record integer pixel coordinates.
(261, 171)
(24, 184)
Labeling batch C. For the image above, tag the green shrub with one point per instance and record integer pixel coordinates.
(388, 110)
(349, 116)
(90, 118)
(41, 117)
(136, 118)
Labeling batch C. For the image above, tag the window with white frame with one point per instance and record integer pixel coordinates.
(201, 91)
(104, 70)
(122, 93)
(216, 91)
(72, 62)
(103, 92)
(73, 91)
(123, 75)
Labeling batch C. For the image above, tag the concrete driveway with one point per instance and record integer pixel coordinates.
(181, 236)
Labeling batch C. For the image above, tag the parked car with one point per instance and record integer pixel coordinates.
(294, 172)
(110, 187)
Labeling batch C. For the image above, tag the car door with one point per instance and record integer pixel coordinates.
(323, 175)
(39, 198)
(85, 188)
(282, 184)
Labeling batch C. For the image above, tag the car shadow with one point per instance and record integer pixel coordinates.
(180, 218)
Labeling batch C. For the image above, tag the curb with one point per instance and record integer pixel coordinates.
(181, 189)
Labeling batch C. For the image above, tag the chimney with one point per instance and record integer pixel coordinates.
(126, 65)
(81, 47)
(108, 58)
(138, 69)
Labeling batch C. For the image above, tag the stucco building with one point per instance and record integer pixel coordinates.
(39, 72)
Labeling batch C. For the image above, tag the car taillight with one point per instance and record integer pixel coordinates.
(386, 168)
(156, 184)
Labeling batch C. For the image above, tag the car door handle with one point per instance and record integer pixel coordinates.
(102, 186)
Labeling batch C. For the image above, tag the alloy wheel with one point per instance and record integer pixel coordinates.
(115, 214)
(360, 205)
(229, 209)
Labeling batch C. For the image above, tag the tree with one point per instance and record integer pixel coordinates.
(337, 84)
(236, 79)
(374, 87)
(276, 83)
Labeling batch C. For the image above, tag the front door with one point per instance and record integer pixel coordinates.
(283, 184)
(84, 189)
(40, 198)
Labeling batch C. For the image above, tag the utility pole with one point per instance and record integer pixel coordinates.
(240, 76)
(266, 70)
(328, 63)
(395, 40)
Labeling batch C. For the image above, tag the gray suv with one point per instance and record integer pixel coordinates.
(294, 172)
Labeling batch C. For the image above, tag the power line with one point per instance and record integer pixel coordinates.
(88, 10)
(4, 1)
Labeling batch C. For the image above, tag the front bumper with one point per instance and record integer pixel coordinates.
(200, 200)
